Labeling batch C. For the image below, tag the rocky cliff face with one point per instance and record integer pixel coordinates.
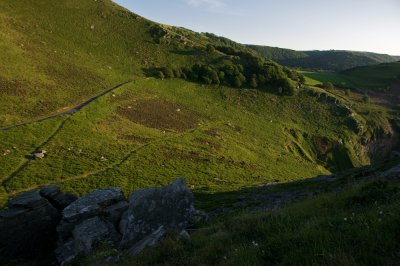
(103, 216)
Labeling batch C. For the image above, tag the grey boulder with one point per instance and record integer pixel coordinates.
(153, 212)
(86, 207)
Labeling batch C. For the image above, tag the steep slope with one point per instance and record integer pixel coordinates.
(333, 60)
(60, 54)
(347, 219)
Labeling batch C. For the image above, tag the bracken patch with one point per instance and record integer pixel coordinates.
(161, 115)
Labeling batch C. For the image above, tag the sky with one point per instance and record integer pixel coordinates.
(359, 25)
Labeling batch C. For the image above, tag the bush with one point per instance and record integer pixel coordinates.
(168, 72)
(160, 75)
(366, 98)
(253, 81)
(328, 85)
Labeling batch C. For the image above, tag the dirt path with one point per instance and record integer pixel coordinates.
(69, 111)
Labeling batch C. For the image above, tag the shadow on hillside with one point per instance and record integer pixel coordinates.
(273, 195)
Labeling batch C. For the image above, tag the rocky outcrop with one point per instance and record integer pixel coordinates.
(56, 197)
(91, 219)
(393, 173)
(89, 206)
(102, 216)
(154, 211)
(28, 222)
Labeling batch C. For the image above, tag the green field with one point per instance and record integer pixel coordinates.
(380, 78)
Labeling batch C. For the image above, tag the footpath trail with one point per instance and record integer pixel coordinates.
(69, 111)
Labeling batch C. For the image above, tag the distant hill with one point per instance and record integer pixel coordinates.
(332, 60)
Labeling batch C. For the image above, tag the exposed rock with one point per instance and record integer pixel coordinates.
(66, 252)
(32, 217)
(148, 241)
(56, 197)
(27, 224)
(184, 235)
(87, 207)
(91, 231)
(114, 212)
(393, 173)
(154, 211)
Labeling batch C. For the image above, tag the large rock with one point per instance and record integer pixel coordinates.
(56, 197)
(28, 223)
(393, 173)
(153, 212)
(86, 207)
(85, 236)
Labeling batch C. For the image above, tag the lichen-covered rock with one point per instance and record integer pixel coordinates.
(28, 222)
(92, 231)
(169, 208)
(87, 207)
(85, 236)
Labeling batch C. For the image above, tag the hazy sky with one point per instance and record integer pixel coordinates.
(363, 25)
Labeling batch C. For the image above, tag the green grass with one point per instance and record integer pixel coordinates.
(376, 78)
(60, 54)
(356, 226)
(242, 139)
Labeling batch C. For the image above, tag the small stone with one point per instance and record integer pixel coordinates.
(184, 235)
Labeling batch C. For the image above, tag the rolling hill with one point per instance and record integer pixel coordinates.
(332, 60)
(94, 96)
(383, 78)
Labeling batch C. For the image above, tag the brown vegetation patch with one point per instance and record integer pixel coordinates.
(213, 132)
(324, 145)
(206, 142)
(136, 139)
(11, 87)
(177, 154)
(160, 114)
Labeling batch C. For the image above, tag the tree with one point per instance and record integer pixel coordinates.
(253, 81)
(328, 85)
(288, 86)
(210, 48)
(366, 98)
(168, 72)
(238, 80)
(160, 75)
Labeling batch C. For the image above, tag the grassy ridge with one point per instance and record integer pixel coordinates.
(333, 60)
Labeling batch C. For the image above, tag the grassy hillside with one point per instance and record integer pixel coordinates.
(382, 77)
(350, 220)
(277, 54)
(58, 54)
(333, 60)
(208, 109)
